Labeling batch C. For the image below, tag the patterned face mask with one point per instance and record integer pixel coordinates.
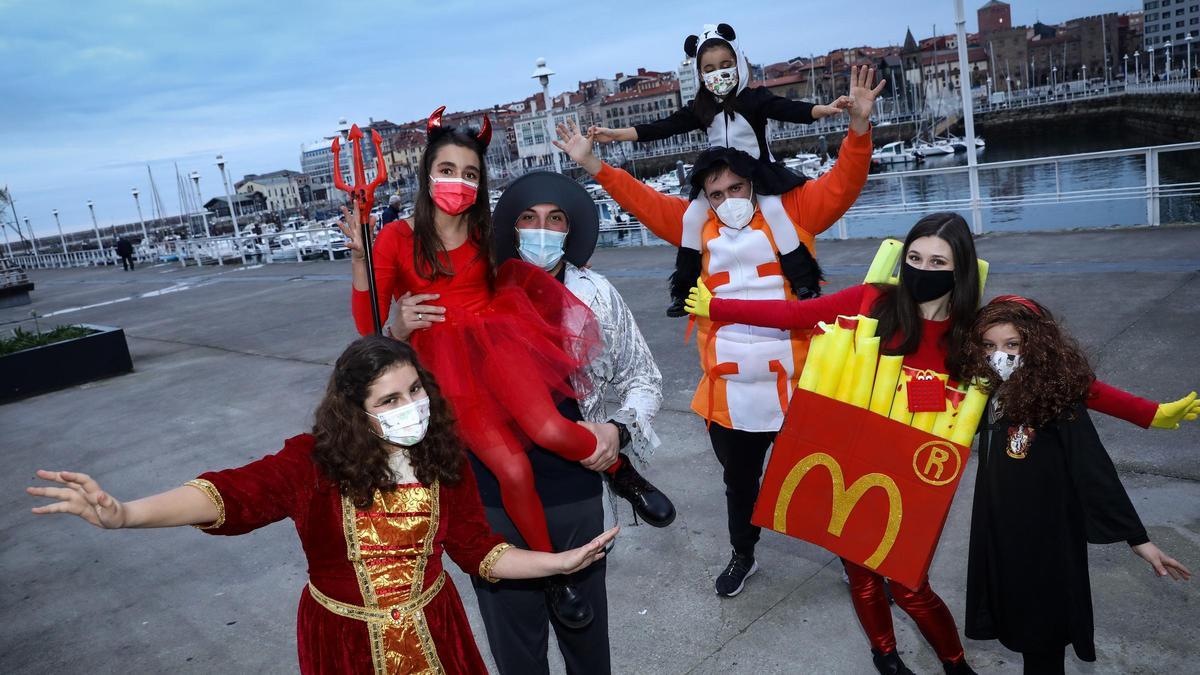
(1004, 363)
(721, 82)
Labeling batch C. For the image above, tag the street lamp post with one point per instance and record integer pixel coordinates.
(1125, 75)
(200, 200)
(1137, 66)
(99, 241)
(61, 238)
(145, 235)
(1053, 79)
(1167, 45)
(237, 233)
(1151, 64)
(1085, 75)
(1188, 40)
(542, 74)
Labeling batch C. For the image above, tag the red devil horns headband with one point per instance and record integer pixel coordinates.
(1024, 302)
(435, 124)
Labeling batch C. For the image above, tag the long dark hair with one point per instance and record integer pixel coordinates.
(347, 449)
(899, 314)
(1054, 375)
(706, 105)
(427, 246)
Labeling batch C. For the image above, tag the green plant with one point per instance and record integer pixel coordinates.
(22, 340)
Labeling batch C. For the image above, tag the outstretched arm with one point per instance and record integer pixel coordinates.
(782, 314)
(663, 215)
(517, 563)
(1107, 399)
(82, 496)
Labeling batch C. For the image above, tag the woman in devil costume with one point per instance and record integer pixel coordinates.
(505, 341)
(734, 116)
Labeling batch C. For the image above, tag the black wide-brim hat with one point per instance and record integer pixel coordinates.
(544, 187)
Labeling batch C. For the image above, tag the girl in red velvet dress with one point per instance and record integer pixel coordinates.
(377, 491)
(927, 318)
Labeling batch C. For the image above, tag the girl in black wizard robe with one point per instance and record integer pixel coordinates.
(1045, 489)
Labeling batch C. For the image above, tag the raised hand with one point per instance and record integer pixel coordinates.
(862, 97)
(81, 497)
(577, 146)
(350, 228)
(579, 558)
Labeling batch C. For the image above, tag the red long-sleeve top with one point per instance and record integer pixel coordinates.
(930, 353)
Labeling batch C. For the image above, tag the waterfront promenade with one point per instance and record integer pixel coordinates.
(230, 361)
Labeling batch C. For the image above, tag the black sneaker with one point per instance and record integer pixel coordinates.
(648, 502)
(676, 310)
(960, 668)
(733, 579)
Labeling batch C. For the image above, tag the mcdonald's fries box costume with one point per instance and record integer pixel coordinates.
(377, 598)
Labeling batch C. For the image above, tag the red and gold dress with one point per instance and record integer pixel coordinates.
(377, 599)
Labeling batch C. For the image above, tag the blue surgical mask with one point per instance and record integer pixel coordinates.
(543, 248)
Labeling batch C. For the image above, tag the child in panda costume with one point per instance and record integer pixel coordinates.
(734, 116)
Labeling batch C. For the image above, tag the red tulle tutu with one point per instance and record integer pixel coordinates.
(532, 336)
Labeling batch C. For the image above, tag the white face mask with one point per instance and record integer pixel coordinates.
(543, 248)
(1004, 364)
(406, 425)
(721, 82)
(736, 212)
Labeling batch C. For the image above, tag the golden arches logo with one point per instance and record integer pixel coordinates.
(935, 454)
(844, 501)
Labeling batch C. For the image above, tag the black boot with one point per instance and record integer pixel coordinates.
(889, 663)
(567, 604)
(687, 271)
(648, 502)
(802, 272)
(960, 668)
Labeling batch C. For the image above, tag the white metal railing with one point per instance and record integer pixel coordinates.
(1152, 190)
(1075, 91)
(284, 246)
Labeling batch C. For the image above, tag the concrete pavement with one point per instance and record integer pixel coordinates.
(230, 361)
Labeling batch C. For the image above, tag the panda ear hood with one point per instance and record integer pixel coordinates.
(725, 33)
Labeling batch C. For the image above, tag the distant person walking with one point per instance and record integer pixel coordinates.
(392, 212)
(125, 250)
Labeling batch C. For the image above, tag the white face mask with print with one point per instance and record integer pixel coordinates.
(736, 212)
(1004, 363)
(721, 82)
(406, 425)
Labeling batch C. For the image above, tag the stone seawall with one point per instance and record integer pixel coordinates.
(1175, 118)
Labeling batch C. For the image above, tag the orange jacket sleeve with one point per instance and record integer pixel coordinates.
(385, 256)
(661, 214)
(818, 204)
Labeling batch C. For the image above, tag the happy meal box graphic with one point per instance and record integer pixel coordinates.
(870, 454)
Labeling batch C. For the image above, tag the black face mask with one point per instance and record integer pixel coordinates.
(926, 285)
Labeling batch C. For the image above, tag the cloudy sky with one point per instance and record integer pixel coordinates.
(94, 91)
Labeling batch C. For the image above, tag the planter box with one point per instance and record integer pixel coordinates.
(64, 364)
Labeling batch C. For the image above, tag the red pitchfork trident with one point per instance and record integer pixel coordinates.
(363, 195)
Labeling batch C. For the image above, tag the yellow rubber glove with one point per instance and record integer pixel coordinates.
(1169, 415)
(698, 299)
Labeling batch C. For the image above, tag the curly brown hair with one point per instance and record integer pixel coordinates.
(1054, 375)
(347, 449)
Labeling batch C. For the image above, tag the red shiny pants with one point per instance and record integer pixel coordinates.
(927, 610)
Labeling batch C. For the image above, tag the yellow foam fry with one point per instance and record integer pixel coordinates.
(812, 363)
(969, 414)
(983, 274)
(885, 261)
(866, 354)
(944, 423)
(924, 420)
(846, 383)
(833, 359)
(900, 411)
(866, 328)
(884, 390)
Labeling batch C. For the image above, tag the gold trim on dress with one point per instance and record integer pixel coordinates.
(394, 615)
(489, 561)
(214, 496)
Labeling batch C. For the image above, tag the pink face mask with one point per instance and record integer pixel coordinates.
(453, 195)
